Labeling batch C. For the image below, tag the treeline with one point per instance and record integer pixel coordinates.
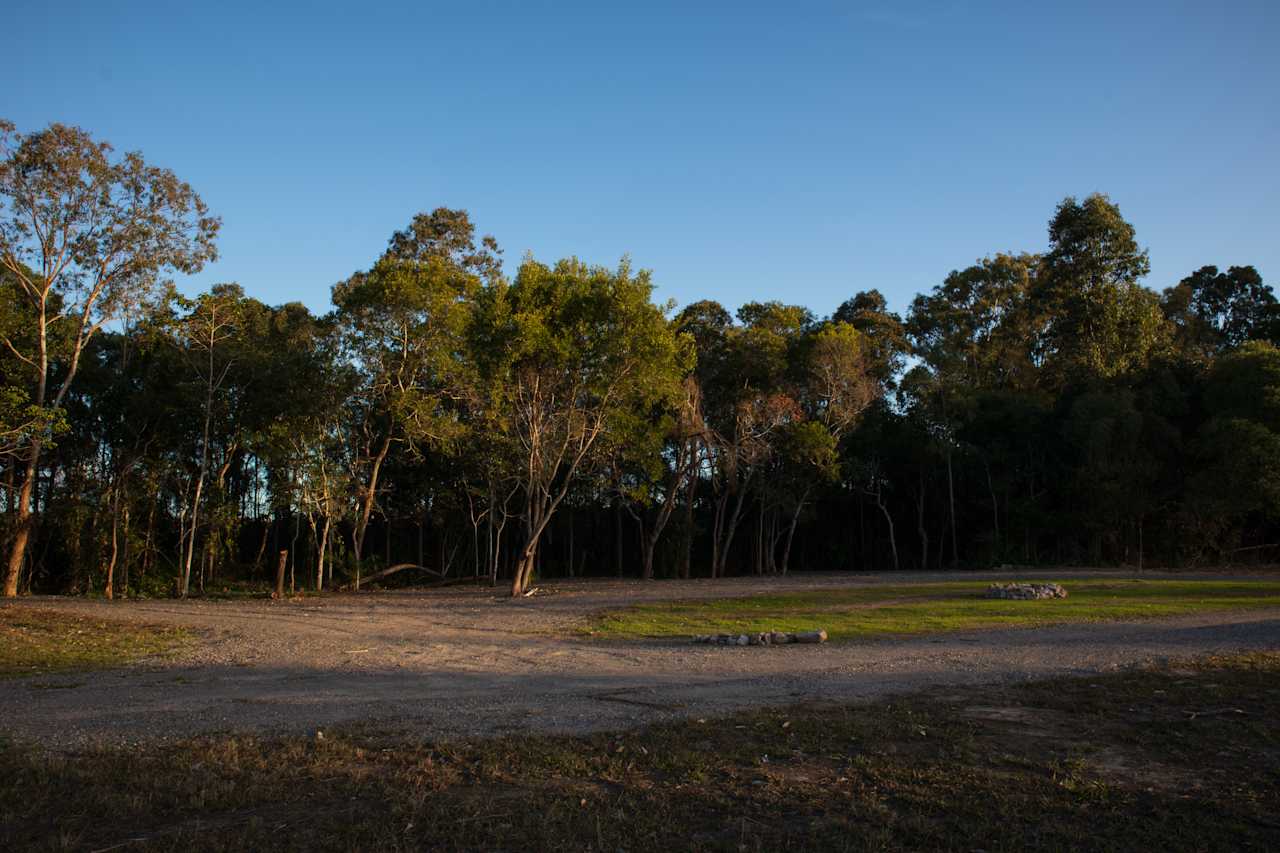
(450, 421)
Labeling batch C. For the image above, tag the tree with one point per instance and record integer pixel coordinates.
(564, 355)
(208, 336)
(86, 236)
(660, 451)
(1237, 450)
(884, 332)
(1213, 312)
(975, 329)
(1096, 320)
(404, 322)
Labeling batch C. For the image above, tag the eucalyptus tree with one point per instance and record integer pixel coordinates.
(844, 376)
(1096, 319)
(297, 376)
(21, 420)
(974, 332)
(1238, 447)
(886, 338)
(86, 235)
(1213, 312)
(754, 394)
(208, 332)
(658, 454)
(564, 356)
(976, 329)
(404, 323)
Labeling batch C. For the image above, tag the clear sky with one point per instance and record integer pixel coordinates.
(799, 151)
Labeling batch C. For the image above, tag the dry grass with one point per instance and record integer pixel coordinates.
(1183, 757)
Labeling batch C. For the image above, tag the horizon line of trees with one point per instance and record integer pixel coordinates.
(444, 418)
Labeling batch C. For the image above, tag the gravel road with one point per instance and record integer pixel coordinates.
(467, 662)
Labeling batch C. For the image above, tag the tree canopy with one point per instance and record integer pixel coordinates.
(449, 417)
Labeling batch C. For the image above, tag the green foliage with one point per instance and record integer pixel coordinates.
(1215, 312)
(1033, 407)
(1096, 318)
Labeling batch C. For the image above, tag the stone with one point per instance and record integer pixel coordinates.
(763, 638)
(1025, 591)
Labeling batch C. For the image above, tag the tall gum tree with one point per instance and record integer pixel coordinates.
(403, 323)
(86, 235)
(1096, 319)
(565, 355)
(208, 334)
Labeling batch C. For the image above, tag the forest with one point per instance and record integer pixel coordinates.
(450, 419)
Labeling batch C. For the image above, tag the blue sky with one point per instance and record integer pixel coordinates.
(797, 151)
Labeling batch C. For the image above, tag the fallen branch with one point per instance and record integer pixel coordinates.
(399, 567)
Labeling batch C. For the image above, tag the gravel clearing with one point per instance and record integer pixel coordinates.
(469, 662)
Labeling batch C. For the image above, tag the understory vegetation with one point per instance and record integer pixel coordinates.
(1181, 756)
(451, 417)
(924, 608)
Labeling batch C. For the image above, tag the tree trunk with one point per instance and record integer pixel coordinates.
(147, 552)
(617, 537)
(22, 524)
(686, 563)
(284, 559)
(195, 503)
(893, 542)
(570, 542)
(262, 545)
(124, 559)
(293, 554)
(920, 525)
(734, 520)
(791, 529)
(533, 531)
(995, 505)
(951, 496)
(722, 502)
(1140, 550)
(371, 492)
(109, 591)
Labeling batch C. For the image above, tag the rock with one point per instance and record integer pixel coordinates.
(764, 638)
(1025, 591)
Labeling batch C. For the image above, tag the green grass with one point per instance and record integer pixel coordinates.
(37, 642)
(1174, 758)
(866, 611)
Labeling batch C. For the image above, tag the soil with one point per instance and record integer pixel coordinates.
(468, 661)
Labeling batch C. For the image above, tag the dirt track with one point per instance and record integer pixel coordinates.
(469, 662)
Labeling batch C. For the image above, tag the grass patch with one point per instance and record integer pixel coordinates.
(38, 642)
(1171, 758)
(901, 609)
